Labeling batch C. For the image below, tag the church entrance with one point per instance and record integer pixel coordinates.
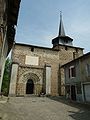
(30, 87)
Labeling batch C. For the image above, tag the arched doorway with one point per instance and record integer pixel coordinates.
(29, 87)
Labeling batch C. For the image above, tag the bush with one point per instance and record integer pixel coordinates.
(6, 78)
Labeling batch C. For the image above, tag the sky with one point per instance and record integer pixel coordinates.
(38, 22)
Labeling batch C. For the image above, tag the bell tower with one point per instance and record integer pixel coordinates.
(62, 39)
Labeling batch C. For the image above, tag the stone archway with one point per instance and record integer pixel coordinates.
(24, 84)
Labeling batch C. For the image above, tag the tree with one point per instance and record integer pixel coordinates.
(6, 77)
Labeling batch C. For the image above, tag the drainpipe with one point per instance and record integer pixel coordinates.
(83, 95)
(70, 91)
(82, 87)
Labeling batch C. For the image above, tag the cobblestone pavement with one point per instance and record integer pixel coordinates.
(42, 108)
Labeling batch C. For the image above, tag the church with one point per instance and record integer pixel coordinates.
(37, 69)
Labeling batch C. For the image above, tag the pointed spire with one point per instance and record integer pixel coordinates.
(61, 27)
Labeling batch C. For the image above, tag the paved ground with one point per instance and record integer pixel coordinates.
(42, 108)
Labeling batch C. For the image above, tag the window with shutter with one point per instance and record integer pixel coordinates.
(88, 69)
(72, 72)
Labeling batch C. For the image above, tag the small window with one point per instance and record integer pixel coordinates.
(74, 55)
(88, 69)
(66, 41)
(72, 72)
(65, 47)
(32, 49)
(76, 50)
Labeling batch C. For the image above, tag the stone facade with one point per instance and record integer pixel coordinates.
(42, 66)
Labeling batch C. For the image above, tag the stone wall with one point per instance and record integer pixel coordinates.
(46, 56)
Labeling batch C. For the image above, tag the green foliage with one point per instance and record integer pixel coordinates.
(6, 77)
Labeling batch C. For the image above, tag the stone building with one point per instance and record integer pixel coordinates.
(36, 69)
(77, 78)
(8, 20)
